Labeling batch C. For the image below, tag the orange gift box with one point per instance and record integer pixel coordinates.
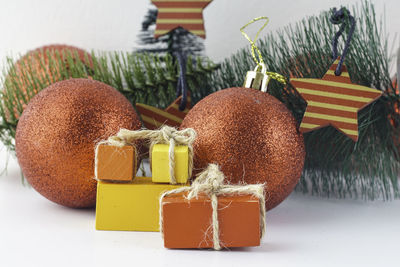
(211, 214)
(114, 163)
(188, 223)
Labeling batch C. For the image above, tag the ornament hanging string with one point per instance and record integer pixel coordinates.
(255, 51)
(398, 68)
(181, 89)
(341, 16)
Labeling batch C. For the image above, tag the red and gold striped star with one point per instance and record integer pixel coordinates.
(187, 14)
(153, 118)
(333, 100)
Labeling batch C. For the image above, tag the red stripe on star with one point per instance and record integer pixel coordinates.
(181, 4)
(334, 89)
(334, 78)
(186, 14)
(188, 26)
(330, 100)
(165, 15)
(322, 123)
(333, 112)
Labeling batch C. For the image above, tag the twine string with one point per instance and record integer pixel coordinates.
(165, 135)
(210, 182)
(181, 88)
(215, 222)
(171, 163)
(341, 16)
(255, 51)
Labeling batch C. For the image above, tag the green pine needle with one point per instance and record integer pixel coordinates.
(144, 78)
(335, 165)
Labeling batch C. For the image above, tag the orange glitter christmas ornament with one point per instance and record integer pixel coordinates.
(252, 136)
(57, 133)
(42, 63)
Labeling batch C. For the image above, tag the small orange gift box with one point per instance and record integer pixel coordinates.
(210, 214)
(115, 163)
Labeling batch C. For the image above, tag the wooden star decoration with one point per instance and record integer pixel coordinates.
(333, 100)
(187, 14)
(153, 118)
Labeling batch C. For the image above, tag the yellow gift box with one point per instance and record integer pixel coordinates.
(130, 206)
(160, 164)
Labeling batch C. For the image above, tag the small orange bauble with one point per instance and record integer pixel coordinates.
(252, 136)
(57, 134)
(43, 64)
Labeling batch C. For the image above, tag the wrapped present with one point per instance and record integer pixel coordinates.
(210, 214)
(115, 163)
(129, 206)
(160, 164)
(172, 155)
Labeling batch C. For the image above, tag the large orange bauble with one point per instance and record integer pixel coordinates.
(57, 133)
(252, 136)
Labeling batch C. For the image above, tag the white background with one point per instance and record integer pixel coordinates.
(303, 231)
(106, 25)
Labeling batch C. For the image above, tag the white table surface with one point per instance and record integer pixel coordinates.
(302, 231)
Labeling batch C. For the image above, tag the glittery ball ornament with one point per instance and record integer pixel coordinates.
(252, 136)
(57, 134)
(42, 64)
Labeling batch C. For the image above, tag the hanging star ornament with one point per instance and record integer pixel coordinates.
(153, 118)
(333, 100)
(187, 14)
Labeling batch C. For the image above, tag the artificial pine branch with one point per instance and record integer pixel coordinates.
(335, 165)
(140, 77)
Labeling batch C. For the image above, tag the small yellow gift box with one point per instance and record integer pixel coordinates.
(160, 164)
(129, 206)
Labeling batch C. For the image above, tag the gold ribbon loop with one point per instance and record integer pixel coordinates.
(254, 49)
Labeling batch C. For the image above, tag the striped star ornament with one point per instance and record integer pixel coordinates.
(153, 118)
(333, 100)
(187, 14)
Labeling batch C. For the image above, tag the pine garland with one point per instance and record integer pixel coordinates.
(141, 77)
(335, 165)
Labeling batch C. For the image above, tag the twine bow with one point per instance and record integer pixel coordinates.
(259, 59)
(165, 135)
(210, 182)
